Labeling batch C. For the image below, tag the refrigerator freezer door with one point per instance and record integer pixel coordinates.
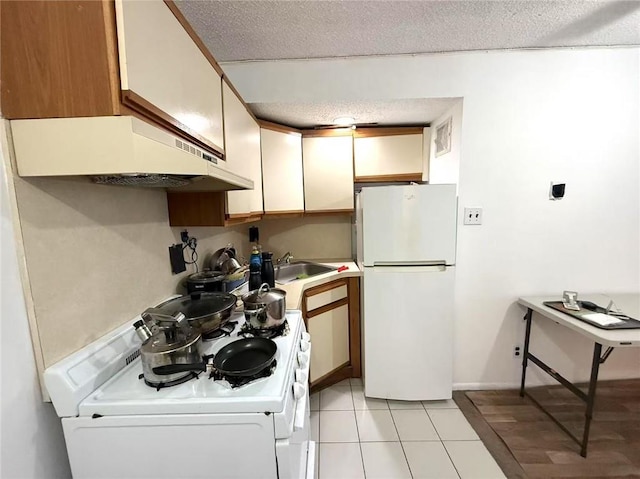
(407, 323)
(414, 224)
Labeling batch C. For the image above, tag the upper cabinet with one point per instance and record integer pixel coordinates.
(164, 72)
(64, 59)
(242, 140)
(389, 154)
(282, 184)
(242, 153)
(328, 171)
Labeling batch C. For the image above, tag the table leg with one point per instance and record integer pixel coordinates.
(525, 353)
(591, 397)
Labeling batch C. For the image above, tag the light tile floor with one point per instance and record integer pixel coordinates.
(369, 438)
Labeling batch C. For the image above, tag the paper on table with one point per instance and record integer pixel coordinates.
(602, 319)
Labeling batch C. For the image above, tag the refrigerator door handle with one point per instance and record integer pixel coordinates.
(399, 268)
(410, 263)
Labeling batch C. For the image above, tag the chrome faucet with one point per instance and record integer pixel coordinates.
(286, 258)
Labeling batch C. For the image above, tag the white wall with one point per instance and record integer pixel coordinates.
(31, 434)
(529, 117)
(445, 169)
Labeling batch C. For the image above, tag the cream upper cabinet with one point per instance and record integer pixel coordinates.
(389, 155)
(160, 63)
(282, 171)
(242, 140)
(328, 173)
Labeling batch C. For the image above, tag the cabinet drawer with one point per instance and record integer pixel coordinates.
(330, 336)
(327, 297)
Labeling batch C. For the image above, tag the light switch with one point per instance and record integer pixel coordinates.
(473, 216)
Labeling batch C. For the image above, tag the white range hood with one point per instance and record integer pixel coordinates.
(115, 146)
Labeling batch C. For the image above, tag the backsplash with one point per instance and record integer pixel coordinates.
(97, 255)
(313, 237)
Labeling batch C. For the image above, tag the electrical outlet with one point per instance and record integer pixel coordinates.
(517, 352)
(473, 216)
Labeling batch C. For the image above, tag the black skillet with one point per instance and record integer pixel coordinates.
(243, 357)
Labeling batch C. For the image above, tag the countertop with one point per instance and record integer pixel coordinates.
(295, 289)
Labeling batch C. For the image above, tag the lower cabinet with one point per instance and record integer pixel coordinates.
(332, 315)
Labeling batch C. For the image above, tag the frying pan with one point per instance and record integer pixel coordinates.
(243, 357)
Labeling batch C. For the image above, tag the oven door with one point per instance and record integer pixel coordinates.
(171, 446)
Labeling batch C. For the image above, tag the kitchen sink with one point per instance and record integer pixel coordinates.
(287, 273)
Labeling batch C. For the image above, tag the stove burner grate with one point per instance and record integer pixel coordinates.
(248, 331)
(222, 331)
(238, 381)
(168, 384)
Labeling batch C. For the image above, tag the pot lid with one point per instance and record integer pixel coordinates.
(206, 276)
(197, 305)
(171, 339)
(264, 294)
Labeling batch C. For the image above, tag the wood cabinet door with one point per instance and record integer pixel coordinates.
(388, 156)
(328, 173)
(160, 65)
(282, 171)
(330, 338)
(242, 141)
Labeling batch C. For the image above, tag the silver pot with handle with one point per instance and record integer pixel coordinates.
(205, 311)
(167, 340)
(265, 307)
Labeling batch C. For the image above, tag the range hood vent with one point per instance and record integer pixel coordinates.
(120, 150)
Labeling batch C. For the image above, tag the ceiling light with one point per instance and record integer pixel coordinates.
(344, 121)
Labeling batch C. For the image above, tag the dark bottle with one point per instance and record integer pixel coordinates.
(267, 269)
(255, 269)
(255, 277)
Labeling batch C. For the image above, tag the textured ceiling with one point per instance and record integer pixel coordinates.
(238, 30)
(266, 30)
(416, 111)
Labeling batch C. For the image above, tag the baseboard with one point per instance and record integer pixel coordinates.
(484, 386)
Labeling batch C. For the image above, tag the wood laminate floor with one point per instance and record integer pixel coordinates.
(526, 443)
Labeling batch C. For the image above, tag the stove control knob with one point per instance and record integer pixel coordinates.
(304, 345)
(298, 390)
(306, 337)
(303, 359)
(301, 376)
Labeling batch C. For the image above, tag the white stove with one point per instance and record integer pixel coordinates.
(115, 425)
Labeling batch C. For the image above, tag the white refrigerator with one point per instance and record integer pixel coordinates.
(406, 247)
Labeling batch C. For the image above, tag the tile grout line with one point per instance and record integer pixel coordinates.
(404, 453)
(355, 417)
(442, 441)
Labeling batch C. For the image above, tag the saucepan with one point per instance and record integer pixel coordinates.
(175, 343)
(265, 307)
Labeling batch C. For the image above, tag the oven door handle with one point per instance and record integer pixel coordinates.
(301, 413)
